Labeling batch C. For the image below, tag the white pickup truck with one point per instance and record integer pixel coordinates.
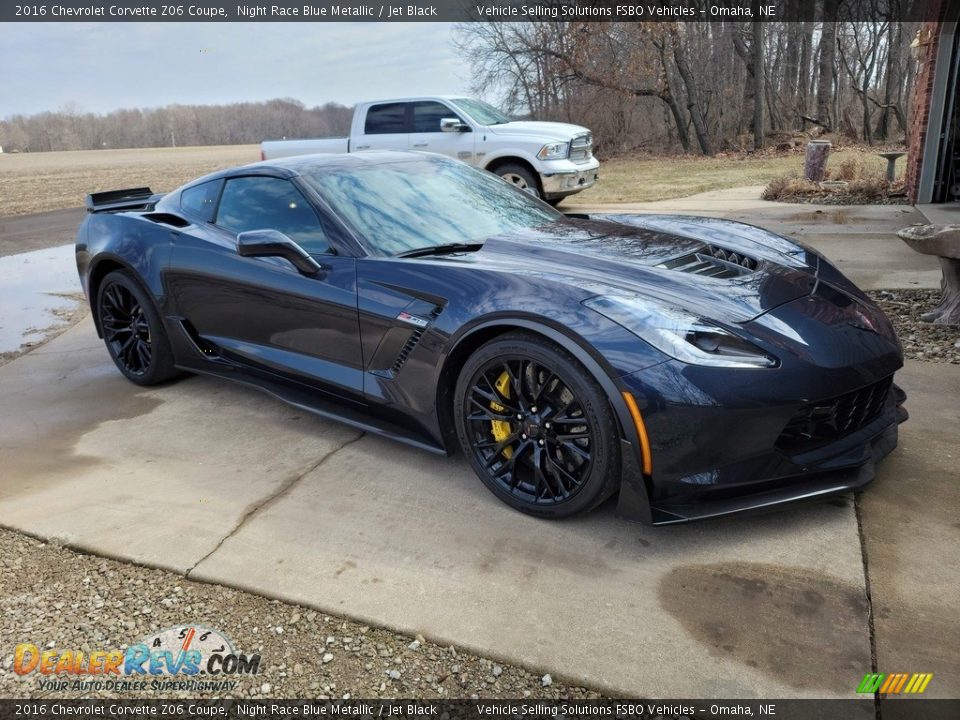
(549, 159)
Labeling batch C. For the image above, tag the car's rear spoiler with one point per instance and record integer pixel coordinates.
(141, 198)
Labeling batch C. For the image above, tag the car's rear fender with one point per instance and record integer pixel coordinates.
(123, 241)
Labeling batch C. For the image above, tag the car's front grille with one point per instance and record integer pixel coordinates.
(822, 422)
(581, 148)
(712, 262)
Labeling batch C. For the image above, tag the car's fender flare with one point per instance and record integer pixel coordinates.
(634, 501)
(114, 262)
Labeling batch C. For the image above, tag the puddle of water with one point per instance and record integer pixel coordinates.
(33, 289)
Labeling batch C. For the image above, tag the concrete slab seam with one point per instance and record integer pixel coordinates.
(858, 512)
(271, 498)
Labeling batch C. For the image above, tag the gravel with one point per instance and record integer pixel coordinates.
(920, 340)
(55, 597)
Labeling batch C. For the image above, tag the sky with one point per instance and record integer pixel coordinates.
(99, 67)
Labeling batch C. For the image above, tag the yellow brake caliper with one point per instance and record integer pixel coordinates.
(502, 429)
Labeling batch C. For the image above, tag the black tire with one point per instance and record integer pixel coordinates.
(516, 447)
(521, 177)
(132, 331)
(557, 200)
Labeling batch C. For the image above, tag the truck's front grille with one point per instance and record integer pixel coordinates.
(581, 148)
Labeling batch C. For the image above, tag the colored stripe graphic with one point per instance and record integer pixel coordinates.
(894, 683)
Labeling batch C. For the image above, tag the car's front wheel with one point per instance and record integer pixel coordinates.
(536, 427)
(132, 331)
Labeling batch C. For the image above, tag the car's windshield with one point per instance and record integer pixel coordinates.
(412, 204)
(483, 113)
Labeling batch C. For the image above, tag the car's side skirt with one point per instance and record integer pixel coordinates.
(313, 403)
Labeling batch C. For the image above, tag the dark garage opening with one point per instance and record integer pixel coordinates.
(947, 187)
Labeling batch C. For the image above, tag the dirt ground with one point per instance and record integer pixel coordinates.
(304, 653)
(38, 182)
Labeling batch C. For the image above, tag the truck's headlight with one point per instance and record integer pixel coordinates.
(554, 151)
(680, 334)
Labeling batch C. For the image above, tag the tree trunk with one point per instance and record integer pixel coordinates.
(749, 86)
(758, 94)
(828, 49)
(666, 94)
(891, 92)
(804, 72)
(815, 162)
(699, 126)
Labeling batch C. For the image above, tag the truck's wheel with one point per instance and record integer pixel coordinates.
(520, 177)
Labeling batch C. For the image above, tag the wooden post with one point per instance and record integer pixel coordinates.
(815, 162)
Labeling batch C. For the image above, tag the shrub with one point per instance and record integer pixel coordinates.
(850, 169)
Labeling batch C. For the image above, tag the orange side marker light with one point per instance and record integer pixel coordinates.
(641, 433)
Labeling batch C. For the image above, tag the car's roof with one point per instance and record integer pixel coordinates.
(331, 161)
(297, 165)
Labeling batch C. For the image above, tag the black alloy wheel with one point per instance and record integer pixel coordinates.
(536, 427)
(132, 331)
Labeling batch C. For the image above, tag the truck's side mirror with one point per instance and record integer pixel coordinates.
(453, 125)
(273, 243)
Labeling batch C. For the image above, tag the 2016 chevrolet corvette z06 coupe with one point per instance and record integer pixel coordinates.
(694, 366)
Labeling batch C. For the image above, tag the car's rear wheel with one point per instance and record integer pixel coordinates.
(132, 331)
(536, 427)
(520, 177)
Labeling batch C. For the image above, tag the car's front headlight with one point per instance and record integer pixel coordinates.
(681, 334)
(554, 151)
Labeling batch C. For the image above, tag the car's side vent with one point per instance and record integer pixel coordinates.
(413, 341)
(713, 262)
(167, 219)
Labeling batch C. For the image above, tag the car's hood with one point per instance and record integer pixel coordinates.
(546, 130)
(680, 267)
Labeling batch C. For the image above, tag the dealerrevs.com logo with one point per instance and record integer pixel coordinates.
(184, 657)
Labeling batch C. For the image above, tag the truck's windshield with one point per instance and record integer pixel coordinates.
(408, 205)
(483, 113)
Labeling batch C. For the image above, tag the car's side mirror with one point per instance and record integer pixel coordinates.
(273, 243)
(453, 125)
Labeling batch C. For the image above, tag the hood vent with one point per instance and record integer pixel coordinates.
(714, 262)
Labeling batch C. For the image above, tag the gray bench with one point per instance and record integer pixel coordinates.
(944, 242)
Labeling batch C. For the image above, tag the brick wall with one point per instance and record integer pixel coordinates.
(922, 95)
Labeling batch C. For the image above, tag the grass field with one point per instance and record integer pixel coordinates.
(662, 178)
(38, 182)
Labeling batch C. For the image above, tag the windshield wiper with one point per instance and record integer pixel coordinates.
(445, 249)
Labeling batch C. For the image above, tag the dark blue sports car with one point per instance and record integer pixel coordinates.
(694, 366)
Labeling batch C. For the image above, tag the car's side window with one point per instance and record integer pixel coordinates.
(201, 200)
(428, 114)
(268, 203)
(386, 118)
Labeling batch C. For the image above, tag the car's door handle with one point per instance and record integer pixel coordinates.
(363, 147)
(420, 144)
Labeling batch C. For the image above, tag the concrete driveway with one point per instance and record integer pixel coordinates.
(224, 484)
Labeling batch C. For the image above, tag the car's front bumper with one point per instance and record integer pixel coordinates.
(563, 177)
